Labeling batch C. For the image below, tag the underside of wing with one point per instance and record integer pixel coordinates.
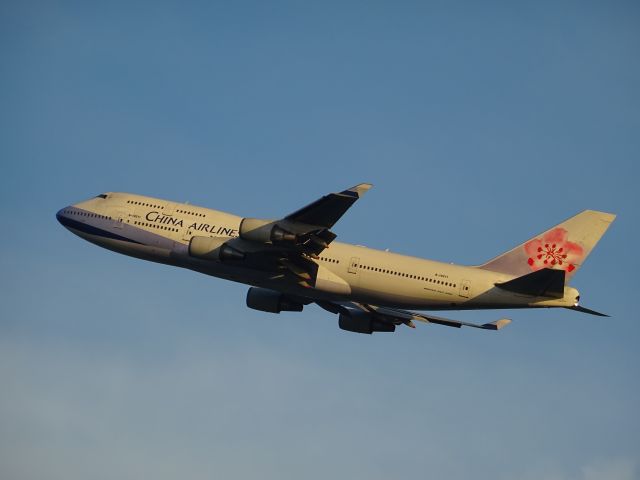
(326, 211)
(364, 318)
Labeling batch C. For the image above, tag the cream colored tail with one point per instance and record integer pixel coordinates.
(563, 247)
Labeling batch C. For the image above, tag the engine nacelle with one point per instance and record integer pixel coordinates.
(264, 231)
(271, 301)
(363, 322)
(214, 249)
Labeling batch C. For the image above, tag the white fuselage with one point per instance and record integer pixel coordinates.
(160, 231)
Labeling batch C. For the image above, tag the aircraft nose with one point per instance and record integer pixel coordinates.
(61, 216)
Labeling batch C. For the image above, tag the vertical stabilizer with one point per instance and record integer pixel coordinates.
(563, 247)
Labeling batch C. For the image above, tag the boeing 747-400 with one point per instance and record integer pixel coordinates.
(295, 261)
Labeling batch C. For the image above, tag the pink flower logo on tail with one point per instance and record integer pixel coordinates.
(553, 250)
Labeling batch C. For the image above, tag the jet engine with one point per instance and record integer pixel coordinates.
(271, 301)
(214, 248)
(363, 322)
(265, 231)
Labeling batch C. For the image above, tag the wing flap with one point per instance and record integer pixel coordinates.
(497, 325)
(397, 316)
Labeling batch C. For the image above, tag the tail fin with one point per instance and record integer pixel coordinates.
(563, 247)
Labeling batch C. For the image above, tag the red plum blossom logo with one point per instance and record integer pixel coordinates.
(553, 250)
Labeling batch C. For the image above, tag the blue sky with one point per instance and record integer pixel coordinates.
(480, 124)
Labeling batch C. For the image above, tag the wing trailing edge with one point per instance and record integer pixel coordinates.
(395, 316)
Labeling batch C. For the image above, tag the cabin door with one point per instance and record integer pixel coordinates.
(353, 265)
(119, 219)
(465, 288)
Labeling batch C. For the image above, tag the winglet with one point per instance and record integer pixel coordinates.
(497, 325)
(358, 190)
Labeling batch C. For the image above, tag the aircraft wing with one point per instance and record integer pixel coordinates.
(288, 246)
(392, 316)
(326, 211)
(305, 231)
(309, 227)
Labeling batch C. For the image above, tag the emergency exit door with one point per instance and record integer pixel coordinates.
(465, 288)
(353, 265)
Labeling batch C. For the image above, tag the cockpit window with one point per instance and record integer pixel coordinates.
(102, 195)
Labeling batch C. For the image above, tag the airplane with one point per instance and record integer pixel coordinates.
(294, 261)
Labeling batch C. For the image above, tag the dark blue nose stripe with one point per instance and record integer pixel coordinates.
(90, 229)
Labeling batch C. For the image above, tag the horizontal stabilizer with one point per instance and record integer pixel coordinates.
(578, 308)
(542, 283)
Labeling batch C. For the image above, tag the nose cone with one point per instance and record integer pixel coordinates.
(62, 217)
